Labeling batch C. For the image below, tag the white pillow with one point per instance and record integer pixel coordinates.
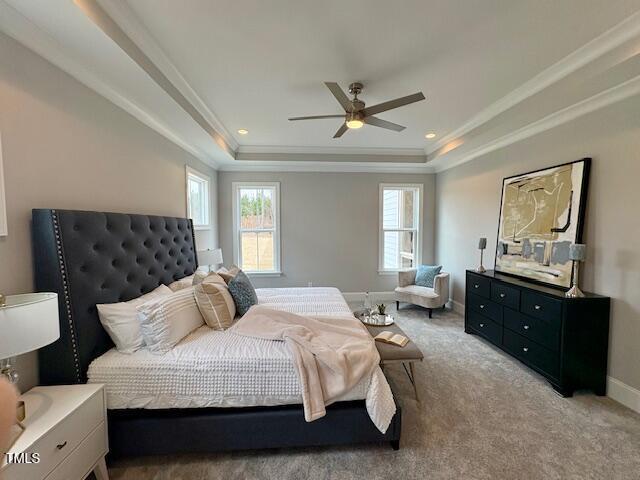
(167, 320)
(120, 320)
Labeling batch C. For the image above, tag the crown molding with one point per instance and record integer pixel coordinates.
(281, 155)
(324, 167)
(20, 28)
(609, 40)
(94, 11)
(122, 14)
(600, 100)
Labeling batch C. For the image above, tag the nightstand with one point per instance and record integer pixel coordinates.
(65, 436)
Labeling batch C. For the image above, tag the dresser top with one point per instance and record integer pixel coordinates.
(530, 285)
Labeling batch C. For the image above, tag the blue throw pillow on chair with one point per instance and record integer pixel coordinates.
(426, 275)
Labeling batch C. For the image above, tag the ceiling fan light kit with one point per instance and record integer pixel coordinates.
(356, 114)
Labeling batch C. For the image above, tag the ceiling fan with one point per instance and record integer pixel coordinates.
(356, 115)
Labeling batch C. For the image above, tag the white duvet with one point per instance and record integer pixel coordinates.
(210, 368)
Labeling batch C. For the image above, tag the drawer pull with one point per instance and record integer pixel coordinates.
(481, 325)
(476, 286)
(537, 307)
(481, 306)
(502, 295)
(525, 349)
(60, 446)
(526, 327)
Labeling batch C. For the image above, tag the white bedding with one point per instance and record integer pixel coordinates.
(212, 368)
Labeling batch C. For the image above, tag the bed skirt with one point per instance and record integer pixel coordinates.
(136, 432)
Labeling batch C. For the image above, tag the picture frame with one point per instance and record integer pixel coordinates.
(541, 214)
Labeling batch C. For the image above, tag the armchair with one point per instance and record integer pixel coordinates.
(426, 297)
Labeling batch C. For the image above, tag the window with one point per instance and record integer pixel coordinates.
(198, 199)
(400, 225)
(256, 222)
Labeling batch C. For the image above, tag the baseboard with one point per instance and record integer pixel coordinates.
(374, 296)
(457, 306)
(623, 393)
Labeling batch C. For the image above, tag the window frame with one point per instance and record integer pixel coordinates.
(235, 201)
(419, 188)
(206, 179)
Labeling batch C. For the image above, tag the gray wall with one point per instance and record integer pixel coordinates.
(329, 225)
(468, 199)
(64, 146)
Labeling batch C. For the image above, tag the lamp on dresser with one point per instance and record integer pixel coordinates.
(27, 323)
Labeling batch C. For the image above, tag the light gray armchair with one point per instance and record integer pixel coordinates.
(426, 297)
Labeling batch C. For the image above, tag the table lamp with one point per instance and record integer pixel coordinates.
(210, 257)
(482, 244)
(27, 323)
(577, 254)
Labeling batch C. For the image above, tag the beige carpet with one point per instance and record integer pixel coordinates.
(483, 416)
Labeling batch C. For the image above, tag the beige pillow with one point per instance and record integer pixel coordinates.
(167, 320)
(199, 276)
(228, 275)
(183, 283)
(215, 302)
(121, 322)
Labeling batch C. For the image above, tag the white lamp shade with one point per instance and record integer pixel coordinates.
(210, 257)
(28, 322)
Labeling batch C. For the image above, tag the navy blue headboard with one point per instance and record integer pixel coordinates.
(95, 257)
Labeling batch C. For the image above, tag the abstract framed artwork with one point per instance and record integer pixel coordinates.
(541, 215)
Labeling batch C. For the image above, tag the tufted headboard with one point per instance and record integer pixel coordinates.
(94, 257)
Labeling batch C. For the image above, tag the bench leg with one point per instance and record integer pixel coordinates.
(430, 312)
(395, 444)
(397, 305)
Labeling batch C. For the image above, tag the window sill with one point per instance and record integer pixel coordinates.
(392, 272)
(264, 274)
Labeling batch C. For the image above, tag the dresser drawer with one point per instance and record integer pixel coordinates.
(541, 331)
(84, 457)
(56, 444)
(504, 295)
(485, 327)
(479, 285)
(485, 307)
(531, 353)
(541, 306)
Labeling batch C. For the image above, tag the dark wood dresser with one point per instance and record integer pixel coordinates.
(564, 339)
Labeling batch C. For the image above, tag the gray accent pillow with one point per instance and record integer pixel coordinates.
(426, 275)
(242, 292)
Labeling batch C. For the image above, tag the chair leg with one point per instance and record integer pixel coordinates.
(430, 312)
(397, 305)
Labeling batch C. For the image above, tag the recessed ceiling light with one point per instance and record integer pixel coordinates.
(430, 135)
(243, 131)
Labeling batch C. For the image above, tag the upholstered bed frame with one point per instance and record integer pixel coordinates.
(94, 257)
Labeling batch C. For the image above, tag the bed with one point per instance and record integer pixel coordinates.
(93, 257)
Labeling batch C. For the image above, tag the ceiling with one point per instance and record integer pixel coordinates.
(197, 71)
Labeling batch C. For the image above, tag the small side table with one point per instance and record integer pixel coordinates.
(65, 435)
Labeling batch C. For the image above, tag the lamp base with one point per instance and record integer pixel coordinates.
(574, 292)
(7, 370)
(481, 269)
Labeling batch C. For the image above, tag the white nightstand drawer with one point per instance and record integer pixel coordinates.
(78, 465)
(57, 443)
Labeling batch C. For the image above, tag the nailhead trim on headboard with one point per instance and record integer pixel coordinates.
(67, 297)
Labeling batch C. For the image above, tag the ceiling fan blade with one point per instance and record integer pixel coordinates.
(340, 95)
(343, 128)
(378, 122)
(314, 117)
(391, 104)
